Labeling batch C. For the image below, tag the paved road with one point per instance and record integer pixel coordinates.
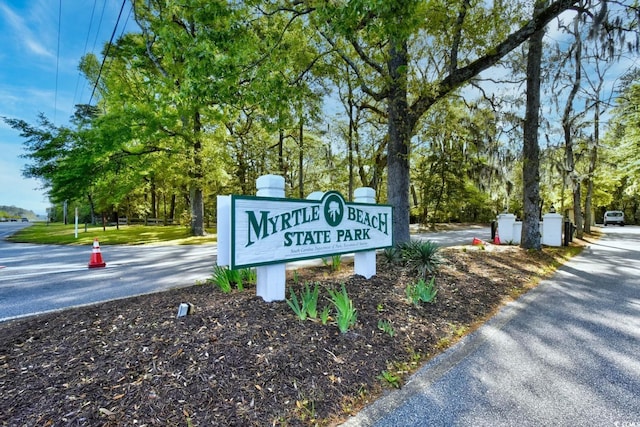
(456, 237)
(566, 354)
(40, 278)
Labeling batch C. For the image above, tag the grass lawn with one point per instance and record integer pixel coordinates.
(55, 233)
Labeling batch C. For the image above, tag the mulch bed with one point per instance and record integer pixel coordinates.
(238, 361)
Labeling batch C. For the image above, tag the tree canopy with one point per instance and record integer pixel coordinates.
(209, 95)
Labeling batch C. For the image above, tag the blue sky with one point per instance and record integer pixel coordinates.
(29, 82)
(37, 76)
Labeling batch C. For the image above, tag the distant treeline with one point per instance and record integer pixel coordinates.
(15, 212)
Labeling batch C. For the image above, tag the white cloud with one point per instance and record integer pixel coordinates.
(23, 34)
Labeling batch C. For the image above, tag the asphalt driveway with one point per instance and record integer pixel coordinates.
(41, 278)
(565, 354)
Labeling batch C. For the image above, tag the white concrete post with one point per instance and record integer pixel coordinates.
(271, 279)
(224, 230)
(552, 229)
(505, 227)
(364, 263)
(517, 232)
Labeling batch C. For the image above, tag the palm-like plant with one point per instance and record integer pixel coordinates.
(421, 255)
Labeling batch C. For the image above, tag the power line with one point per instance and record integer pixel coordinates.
(95, 41)
(124, 28)
(104, 58)
(84, 52)
(55, 96)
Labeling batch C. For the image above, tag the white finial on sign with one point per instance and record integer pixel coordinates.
(270, 186)
(364, 195)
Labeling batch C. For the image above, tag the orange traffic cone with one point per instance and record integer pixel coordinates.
(496, 240)
(96, 257)
(476, 241)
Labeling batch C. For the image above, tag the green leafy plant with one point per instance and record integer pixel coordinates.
(310, 300)
(249, 275)
(391, 256)
(221, 278)
(306, 410)
(244, 275)
(298, 309)
(225, 278)
(423, 256)
(325, 314)
(307, 305)
(334, 263)
(236, 276)
(386, 327)
(421, 291)
(346, 314)
(389, 378)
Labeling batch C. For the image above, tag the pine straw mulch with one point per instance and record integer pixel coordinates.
(238, 361)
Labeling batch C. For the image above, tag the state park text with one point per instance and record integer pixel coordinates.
(265, 224)
(266, 230)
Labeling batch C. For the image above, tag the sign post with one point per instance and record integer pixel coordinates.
(76, 227)
(271, 279)
(266, 231)
(364, 263)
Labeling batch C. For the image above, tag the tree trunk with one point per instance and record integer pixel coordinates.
(441, 165)
(301, 158)
(92, 210)
(577, 209)
(154, 212)
(531, 149)
(197, 212)
(567, 126)
(172, 207)
(593, 161)
(197, 199)
(280, 152)
(399, 139)
(350, 140)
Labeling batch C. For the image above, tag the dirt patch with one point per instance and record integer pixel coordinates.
(236, 360)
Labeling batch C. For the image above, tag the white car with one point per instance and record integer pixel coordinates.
(613, 217)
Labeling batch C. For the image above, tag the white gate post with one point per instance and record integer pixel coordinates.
(505, 227)
(224, 230)
(271, 279)
(552, 229)
(364, 263)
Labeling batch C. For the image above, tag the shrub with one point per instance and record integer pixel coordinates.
(221, 277)
(422, 256)
(390, 256)
(387, 327)
(346, 314)
(422, 291)
(308, 303)
(336, 262)
(224, 277)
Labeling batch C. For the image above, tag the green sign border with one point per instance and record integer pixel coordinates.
(301, 201)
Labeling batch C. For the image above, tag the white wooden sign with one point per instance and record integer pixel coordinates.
(267, 230)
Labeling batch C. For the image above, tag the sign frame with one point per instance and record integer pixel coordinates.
(331, 225)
